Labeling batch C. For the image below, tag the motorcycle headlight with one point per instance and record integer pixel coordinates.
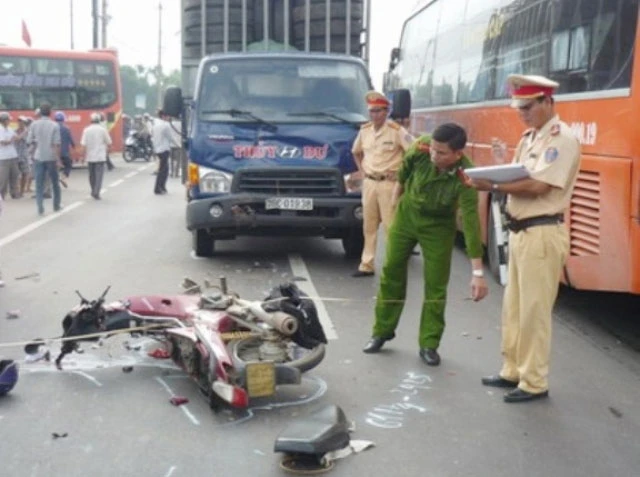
(352, 183)
(214, 182)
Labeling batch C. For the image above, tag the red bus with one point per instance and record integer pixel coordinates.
(454, 57)
(76, 83)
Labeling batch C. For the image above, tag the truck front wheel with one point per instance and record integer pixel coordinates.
(203, 243)
(353, 244)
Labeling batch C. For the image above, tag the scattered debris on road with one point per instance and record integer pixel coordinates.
(178, 400)
(615, 412)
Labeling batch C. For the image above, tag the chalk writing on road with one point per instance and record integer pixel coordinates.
(393, 416)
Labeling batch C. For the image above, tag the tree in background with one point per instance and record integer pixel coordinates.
(141, 80)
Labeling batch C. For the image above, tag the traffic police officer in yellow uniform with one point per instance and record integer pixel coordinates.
(431, 188)
(538, 239)
(378, 151)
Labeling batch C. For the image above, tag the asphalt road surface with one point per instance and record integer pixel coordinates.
(95, 419)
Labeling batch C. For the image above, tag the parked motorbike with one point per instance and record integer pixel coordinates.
(136, 147)
(232, 348)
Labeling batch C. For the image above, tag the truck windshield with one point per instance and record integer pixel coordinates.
(283, 90)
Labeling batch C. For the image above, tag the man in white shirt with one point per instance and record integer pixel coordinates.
(9, 171)
(95, 141)
(44, 138)
(163, 140)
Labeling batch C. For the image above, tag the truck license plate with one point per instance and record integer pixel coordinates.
(289, 203)
(261, 379)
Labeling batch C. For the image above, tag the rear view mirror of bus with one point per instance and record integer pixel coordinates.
(401, 101)
(172, 104)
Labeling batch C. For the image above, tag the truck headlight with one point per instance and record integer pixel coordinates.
(214, 182)
(353, 182)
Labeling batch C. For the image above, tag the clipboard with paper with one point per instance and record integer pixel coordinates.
(499, 174)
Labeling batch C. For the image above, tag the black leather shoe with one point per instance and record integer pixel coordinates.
(360, 273)
(520, 395)
(498, 381)
(374, 344)
(430, 356)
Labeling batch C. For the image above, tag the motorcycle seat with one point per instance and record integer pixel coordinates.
(178, 306)
(322, 432)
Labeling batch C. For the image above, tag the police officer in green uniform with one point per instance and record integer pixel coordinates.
(431, 187)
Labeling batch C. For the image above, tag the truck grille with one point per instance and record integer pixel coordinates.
(585, 215)
(308, 182)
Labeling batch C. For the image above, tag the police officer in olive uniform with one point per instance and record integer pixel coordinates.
(431, 187)
(378, 151)
(538, 240)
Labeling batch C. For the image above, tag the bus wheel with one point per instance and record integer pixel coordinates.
(493, 253)
(203, 243)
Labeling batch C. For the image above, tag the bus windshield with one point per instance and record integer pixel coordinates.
(27, 82)
(283, 90)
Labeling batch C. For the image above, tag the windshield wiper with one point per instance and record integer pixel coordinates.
(247, 114)
(324, 114)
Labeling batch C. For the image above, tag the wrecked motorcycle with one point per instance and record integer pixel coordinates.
(232, 348)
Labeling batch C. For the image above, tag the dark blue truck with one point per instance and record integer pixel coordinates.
(269, 129)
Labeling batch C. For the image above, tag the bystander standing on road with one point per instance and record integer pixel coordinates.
(430, 191)
(105, 125)
(95, 141)
(47, 180)
(175, 162)
(44, 138)
(66, 143)
(9, 171)
(163, 141)
(538, 239)
(378, 151)
(24, 162)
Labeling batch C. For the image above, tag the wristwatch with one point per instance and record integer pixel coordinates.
(478, 273)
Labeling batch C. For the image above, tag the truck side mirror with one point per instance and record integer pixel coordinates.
(395, 58)
(401, 104)
(172, 104)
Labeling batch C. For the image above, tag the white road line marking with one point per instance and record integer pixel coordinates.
(130, 174)
(116, 183)
(183, 406)
(38, 223)
(299, 269)
(89, 377)
(170, 472)
(141, 168)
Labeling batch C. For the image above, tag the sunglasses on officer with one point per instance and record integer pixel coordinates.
(376, 110)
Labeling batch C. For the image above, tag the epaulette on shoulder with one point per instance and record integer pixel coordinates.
(527, 132)
(366, 125)
(393, 125)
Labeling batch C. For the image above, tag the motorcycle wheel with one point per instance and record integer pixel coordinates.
(128, 155)
(246, 350)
